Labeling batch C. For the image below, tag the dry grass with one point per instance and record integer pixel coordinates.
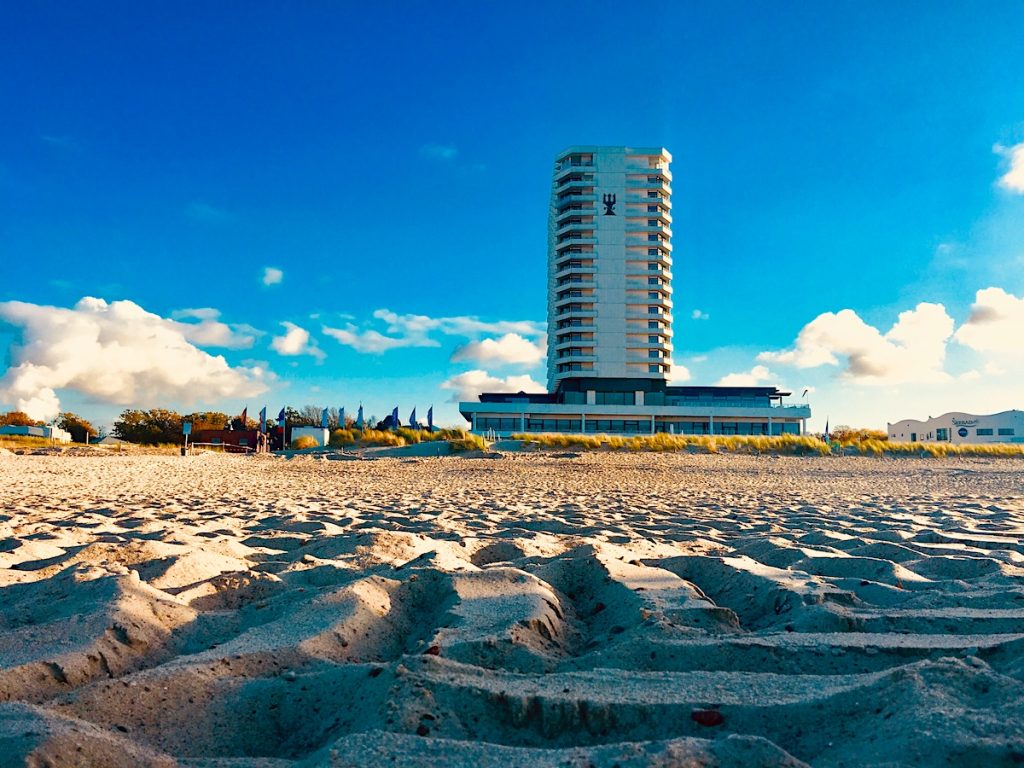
(792, 445)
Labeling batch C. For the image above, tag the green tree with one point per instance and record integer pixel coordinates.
(151, 427)
(207, 420)
(17, 419)
(80, 429)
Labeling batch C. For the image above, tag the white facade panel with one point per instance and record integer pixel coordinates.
(957, 427)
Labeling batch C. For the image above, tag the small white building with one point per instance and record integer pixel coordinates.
(957, 427)
(49, 432)
(321, 435)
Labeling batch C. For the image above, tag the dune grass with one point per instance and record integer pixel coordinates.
(403, 436)
(788, 445)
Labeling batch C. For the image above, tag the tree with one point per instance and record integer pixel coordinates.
(151, 427)
(310, 415)
(207, 420)
(17, 419)
(80, 429)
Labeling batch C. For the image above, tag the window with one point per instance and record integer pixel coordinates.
(652, 209)
(653, 296)
(942, 433)
(984, 431)
(655, 353)
(654, 339)
(653, 325)
(653, 238)
(1007, 431)
(654, 310)
(215, 440)
(653, 223)
(653, 251)
(654, 369)
(653, 266)
(654, 281)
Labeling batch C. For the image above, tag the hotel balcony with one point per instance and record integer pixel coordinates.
(574, 281)
(632, 314)
(574, 226)
(563, 201)
(573, 342)
(639, 211)
(582, 271)
(562, 186)
(660, 185)
(658, 199)
(569, 312)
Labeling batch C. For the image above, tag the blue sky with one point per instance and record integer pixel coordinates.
(392, 156)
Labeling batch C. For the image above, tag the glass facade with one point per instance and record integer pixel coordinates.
(632, 426)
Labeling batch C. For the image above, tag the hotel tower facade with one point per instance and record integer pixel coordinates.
(610, 293)
(610, 265)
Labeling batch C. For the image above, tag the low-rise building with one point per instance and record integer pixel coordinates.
(49, 432)
(958, 427)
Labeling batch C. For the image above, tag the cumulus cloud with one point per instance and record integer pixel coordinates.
(469, 385)
(272, 276)
(995, 324)
(678, 373)
(415, 331)
(209, 331)
(374, 342)
(914, 349)
(699, 315)
(510, 349)
(296, 341)
(759, 374)
(115, 353)
(1013, 179)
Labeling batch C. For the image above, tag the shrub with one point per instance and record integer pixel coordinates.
(303, 442)
(468, 442)
(379, 437)
(341, 437)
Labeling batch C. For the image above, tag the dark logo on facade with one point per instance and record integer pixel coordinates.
(609, 205)
(962, 432)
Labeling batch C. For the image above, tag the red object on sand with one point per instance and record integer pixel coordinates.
(434, 650)
(708, 717)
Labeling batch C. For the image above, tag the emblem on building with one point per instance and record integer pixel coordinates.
(609, 205)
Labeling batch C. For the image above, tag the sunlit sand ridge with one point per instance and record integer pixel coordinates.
(629, 610)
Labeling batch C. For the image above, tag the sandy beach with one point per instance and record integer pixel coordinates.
(530, 610)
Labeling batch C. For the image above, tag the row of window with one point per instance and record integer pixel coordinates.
(633, 426)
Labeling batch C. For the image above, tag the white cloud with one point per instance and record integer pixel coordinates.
(469, 385)
(296, 341)
(510, 349)
(995, 325)
(1013, 179)
(272, 276)
(759, 374)
(211, 332)
(914, 349)
(114, 353)
(415, 331)
(678, 374)
(374, 342)
(699, 315)
(439, 151)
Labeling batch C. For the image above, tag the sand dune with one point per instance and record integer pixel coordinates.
(630, 610)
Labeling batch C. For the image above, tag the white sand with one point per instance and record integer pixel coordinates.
(630, 610)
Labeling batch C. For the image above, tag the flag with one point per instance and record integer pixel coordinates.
(394, 418)
(263, 420)
(280, 419)
(430, 418)
(359, 417)
(412, 418)
(341, 418)
(805, 393)
(826, 430)
(245, 417)
(324, 415)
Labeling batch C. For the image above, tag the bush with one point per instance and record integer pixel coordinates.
(303, 442)
(379, 437)
(341, 437)
(467, 442)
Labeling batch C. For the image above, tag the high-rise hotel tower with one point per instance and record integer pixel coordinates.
(610, 317)
(610, 265)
